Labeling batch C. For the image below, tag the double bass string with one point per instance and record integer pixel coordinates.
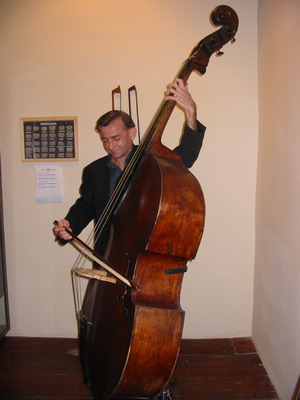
(123, 183)
(96, 232)
(166, 108)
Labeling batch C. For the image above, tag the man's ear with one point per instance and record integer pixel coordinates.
(132, 133)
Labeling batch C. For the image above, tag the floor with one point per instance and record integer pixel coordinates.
(217, 369)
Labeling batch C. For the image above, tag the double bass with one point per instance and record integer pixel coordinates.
(131, 321)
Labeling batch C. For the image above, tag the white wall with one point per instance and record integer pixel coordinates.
(64, 57)
(276, 316)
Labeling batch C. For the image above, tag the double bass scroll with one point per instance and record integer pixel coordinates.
(198, 60)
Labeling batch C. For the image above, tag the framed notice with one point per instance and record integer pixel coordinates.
(49, 139)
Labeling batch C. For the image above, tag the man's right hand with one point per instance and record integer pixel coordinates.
(59, 229)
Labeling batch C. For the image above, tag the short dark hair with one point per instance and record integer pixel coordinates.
(110, 116)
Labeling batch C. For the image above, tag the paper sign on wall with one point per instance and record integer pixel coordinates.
(49, 183)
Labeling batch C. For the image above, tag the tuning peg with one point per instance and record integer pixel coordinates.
(219, 53)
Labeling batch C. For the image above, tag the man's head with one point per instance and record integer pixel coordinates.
(117, 132)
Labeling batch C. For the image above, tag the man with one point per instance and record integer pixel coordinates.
(117, 133)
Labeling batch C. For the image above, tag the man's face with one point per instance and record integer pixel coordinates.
(117, 140)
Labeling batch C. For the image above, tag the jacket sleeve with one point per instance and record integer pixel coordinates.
(190, 145)
(81, 213)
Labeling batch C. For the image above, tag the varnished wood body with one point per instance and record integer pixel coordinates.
(133, 337)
